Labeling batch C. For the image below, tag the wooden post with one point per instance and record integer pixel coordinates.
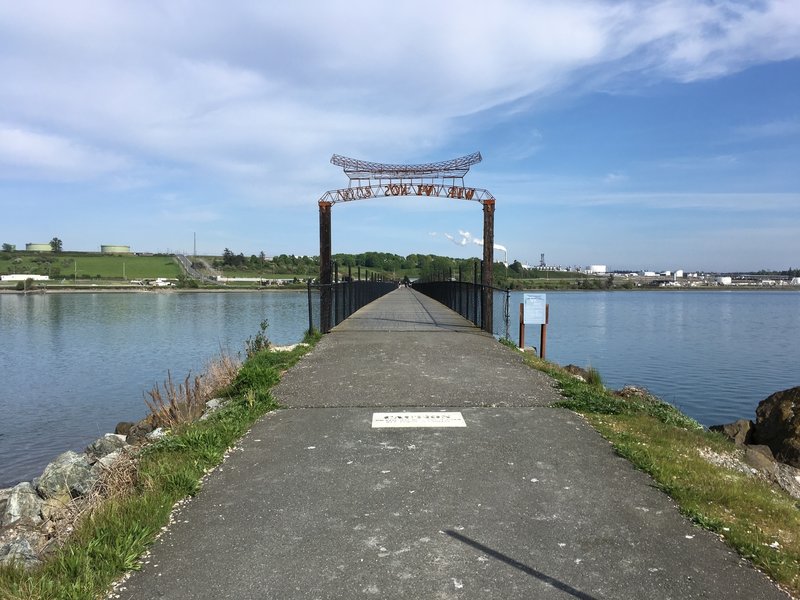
(522, 325)
(543, 335)
(325, 266)
(487, 304)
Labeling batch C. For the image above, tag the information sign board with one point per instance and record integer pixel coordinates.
(535, 309)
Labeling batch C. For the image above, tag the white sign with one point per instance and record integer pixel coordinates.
(417, 419)
(535, 309)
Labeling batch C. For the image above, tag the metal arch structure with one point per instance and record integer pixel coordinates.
(443, 179)
(362, 169)
(404, 188)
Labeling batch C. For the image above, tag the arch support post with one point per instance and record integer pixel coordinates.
(487, 295)
(325, 289)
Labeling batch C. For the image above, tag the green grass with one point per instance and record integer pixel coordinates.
(109, 542)
(749, 514)
(89, 265)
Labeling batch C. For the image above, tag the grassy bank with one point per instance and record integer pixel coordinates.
(108, 542)
(89, 265)
(757, 519)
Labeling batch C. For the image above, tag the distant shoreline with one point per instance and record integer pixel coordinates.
(226, 290)
(134, 290)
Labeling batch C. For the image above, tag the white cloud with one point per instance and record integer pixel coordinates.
(252, 89)
(612, 178)
(25, 153)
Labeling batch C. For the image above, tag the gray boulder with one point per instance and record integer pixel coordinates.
(740, 432)
(4, 494)
(124, 427)
(577, 372)
(788, 478)
(157, 434)
(105, 445)
(778, 425)
(212, 406)
(138, 432)
(69, 475)
(104, 464)
(19, 552)
(22, 506)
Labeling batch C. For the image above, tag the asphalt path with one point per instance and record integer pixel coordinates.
(523, 501)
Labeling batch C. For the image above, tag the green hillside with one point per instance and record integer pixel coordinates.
(88, 265)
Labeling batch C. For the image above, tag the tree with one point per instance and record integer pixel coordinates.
(8, 247)
(56, 245)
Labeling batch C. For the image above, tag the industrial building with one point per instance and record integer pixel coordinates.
(31, 247)
(114, 249)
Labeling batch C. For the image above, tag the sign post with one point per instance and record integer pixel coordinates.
(534, 310)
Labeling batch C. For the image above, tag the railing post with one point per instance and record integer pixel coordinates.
(460, 296)
(350, 289)
(310, 312)
(506, 311)
(336, 302)
(475, 288)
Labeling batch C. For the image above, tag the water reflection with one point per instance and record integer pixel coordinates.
(76, 364)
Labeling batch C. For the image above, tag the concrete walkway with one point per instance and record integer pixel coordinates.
(525, 501)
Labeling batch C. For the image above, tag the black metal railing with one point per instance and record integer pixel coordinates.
(339, 300)
(467, 299)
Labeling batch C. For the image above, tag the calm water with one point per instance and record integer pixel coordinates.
(713, 354)
(73, 365)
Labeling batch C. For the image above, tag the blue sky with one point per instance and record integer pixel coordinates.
(640, 135)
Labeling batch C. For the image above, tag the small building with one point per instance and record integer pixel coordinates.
(794, 281)
(23, 277)
(33, 247)
(114, 249)
(724, 280)
(597, 269)
(678, 273)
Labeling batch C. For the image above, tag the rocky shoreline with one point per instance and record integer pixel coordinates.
(36, 516)
(767, 448)
(770, 446)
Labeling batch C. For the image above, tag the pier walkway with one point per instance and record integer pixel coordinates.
(525, 501)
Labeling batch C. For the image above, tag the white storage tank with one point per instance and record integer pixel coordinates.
(114, 249)
(32, 247)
